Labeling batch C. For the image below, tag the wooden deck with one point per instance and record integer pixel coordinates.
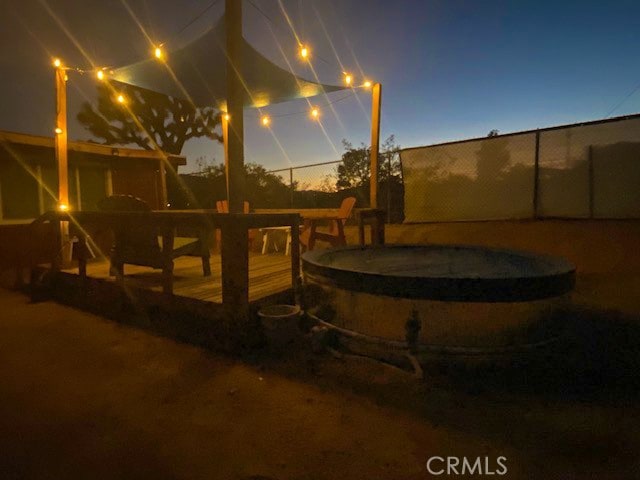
(268, 275)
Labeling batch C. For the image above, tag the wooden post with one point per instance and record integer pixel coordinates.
(225, 140)
(61, 158)
(164, 196)
(234, 263)
(235, 102)
(376, 96)
(168, 235)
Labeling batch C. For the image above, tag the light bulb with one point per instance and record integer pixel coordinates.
(227, 117)
(58, 130)
(367, 84)
(348, 78)
(121, 98)
(63, 207)
(266, 121)
(158, 53)
(315, 113)
(100, 74)
(57, 63)
(304, 51)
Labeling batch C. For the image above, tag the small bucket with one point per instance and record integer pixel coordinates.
(280, 323)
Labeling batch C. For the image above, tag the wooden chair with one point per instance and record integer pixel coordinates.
(335, 235)
(139, 245)
(222, 206)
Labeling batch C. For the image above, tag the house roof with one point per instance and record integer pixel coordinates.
(88, 147)
(197, 73)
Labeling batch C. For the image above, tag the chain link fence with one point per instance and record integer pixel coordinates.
(318, 186)
(587, 170)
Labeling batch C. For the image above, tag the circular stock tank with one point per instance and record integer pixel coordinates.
(453, 298)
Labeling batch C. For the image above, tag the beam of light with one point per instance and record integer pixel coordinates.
(67, 32)
(315, 75)
(156, 49)
(335, 53)
(42, 186)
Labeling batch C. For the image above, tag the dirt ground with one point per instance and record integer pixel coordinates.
(84, 397)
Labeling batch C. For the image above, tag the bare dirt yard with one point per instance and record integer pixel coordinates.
(85, 397)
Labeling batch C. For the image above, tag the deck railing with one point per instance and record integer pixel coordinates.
(234, 248)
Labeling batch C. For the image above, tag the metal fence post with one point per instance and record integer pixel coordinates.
(291, 185)
(591, 180)
(536, 177)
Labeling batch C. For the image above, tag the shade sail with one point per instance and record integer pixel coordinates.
(197, 72)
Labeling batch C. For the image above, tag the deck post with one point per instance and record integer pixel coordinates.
(295, 258)
(234, 263)
(61, 157)
(235, 103)
(376, 96)
(168, 234)
(224, 121)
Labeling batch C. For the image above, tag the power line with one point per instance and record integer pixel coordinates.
(194, 19)
(282, 29)
(637, 87)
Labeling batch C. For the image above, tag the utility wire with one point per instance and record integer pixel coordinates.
(282, 29)
(193, 20)
(637, 87)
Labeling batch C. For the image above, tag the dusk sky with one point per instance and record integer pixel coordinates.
(449, 69)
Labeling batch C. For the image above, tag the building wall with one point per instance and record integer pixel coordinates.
(29, 180)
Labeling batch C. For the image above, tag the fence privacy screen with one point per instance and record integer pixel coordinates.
(578, 171)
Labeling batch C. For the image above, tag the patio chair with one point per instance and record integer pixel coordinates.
(140, 245)
(335, 235)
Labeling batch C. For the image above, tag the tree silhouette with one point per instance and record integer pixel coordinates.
(355, 169)
(147, 119)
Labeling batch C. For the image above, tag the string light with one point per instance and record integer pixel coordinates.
(265, 120)
(227, 117)
(304, 51)
(367, 84)
(158, 53)
(63, 207)
(315, 113)
(58, 130)
(57, 62)
(100, 75)
(121, 98)
(347, 78)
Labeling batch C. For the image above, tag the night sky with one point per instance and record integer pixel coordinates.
(450, 69)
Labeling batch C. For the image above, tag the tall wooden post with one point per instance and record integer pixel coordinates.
(376, 96)
(164, 196)
(235, 244)
(235, 101)
(224, 121)
(61, 157)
